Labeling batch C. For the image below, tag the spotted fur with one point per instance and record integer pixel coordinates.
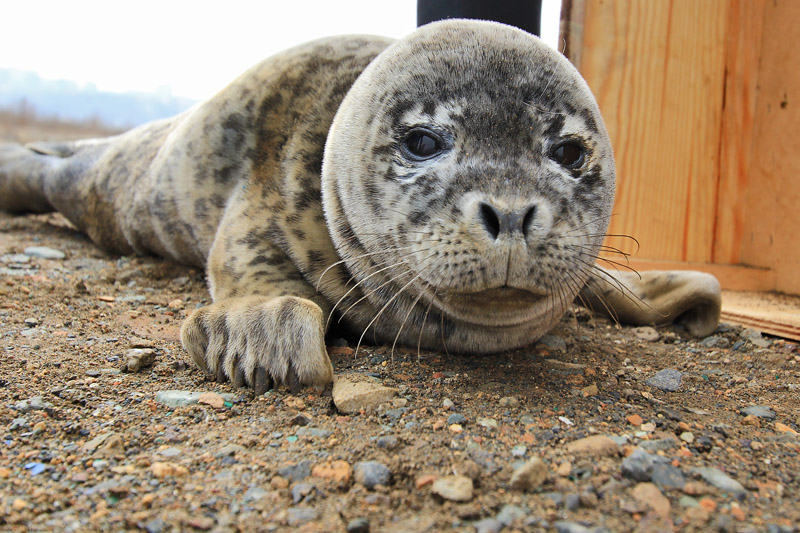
(295, 188)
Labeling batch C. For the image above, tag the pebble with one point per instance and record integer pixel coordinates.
(574, 527)
(667, 476)
(720, 480)
(487, 422)
(371, 473)
(36, 403)
(488, 525)
(313, 432)
(647, 333)
(649, 495)
(43, 252)
(353, 393)
(509, 514)
(656, 445)
(167, 469)
(182, 398)
(456, 418)
(339, 471)
(358, 525)
(530, 475)
(297, 472)
(254, 494)
(297, 516)
(31, 322)
(137, 358)
(687, 437)
(388, 442)
(639, 465)
(453, 488)
(19, 504)
(572, 502)
(668, 380)
(594, 445)
(211, 399)
(754, 336)
(761, 411)
(301, 491)
(447, 403)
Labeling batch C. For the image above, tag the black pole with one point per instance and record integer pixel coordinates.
(524, 14)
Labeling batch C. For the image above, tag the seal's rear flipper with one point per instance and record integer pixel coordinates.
(23, 172)
(657, 297)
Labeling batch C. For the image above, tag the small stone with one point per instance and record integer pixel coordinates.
(358, 525)
(649, 495)
(589, 391)
(424, 480)
(594, 445)
(646, 333)
(182, 398)
(453, 488)
(635, 420)
(572, 502)
(783, 428)
(761, 411)
(228, 450)
(113, 445)
(687, 437)
(508, 401)
(572, 527)
(720, 480)
(656, 445)
(487, 422)
(136, 359)
(468, 468)
(371, 473)
(211, 399)
(203, 523)
(279, 482)
(353, 393)
(456, 418)
(162, 470)
(388, 442)
(564, 469)
(313, 432)
(668, 380)
(95, 443)
(19, 504)
(297, 516)
(156, 525)
(36, 403)
(175, 305)
(639, 465)
(338, 471)
(31, 322)
(648, 427)
(301, 491)
(455, 428)
(447, 403)
(43, 252)
(666, 476)
(529, 476)
(488, 525)
(754, 336)
(510, 514)
(296, 472)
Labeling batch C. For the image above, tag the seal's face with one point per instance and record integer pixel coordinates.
(475, 175)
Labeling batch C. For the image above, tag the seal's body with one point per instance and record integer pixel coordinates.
(448, 190)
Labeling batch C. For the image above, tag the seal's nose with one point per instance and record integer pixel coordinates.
(498, 222)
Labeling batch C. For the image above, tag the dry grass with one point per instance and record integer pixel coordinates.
(23, 125)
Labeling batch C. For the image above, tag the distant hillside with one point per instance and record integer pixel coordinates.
(67, 101)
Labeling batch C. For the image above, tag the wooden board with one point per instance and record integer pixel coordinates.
(776, 314)
(702, 102)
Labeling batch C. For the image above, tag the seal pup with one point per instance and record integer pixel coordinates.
(449, 190)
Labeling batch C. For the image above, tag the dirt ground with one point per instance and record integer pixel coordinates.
(88, 447)
(570, 434)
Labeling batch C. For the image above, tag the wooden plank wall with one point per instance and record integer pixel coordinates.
(691, 91)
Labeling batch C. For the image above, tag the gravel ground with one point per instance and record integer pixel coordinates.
(595, 428)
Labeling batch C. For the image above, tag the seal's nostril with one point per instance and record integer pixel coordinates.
(530, 215)
(490, 220)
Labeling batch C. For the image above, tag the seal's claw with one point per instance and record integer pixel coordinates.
(261, 381)
(293, 381)
(238, 376)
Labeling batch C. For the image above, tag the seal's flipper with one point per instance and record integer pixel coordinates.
(657, 297)
(23, 172)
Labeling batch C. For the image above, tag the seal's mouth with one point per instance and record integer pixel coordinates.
(504, 305)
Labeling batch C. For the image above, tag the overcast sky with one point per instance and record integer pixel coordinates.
(194, 48)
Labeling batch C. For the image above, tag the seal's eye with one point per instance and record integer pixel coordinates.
(569, 154)
(422, 144)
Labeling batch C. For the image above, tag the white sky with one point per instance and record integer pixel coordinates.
(195, 48)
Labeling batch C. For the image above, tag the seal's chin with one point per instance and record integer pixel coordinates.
(500, 306)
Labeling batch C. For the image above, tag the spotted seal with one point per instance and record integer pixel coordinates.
(449, 190)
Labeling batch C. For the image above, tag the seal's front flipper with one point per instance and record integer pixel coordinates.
(23, 172)
(657, 297)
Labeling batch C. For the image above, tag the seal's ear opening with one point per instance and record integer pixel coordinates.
(524, 14)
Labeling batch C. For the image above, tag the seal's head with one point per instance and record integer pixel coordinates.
(468, 174)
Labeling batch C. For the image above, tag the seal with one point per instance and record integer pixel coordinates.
(449, 190)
